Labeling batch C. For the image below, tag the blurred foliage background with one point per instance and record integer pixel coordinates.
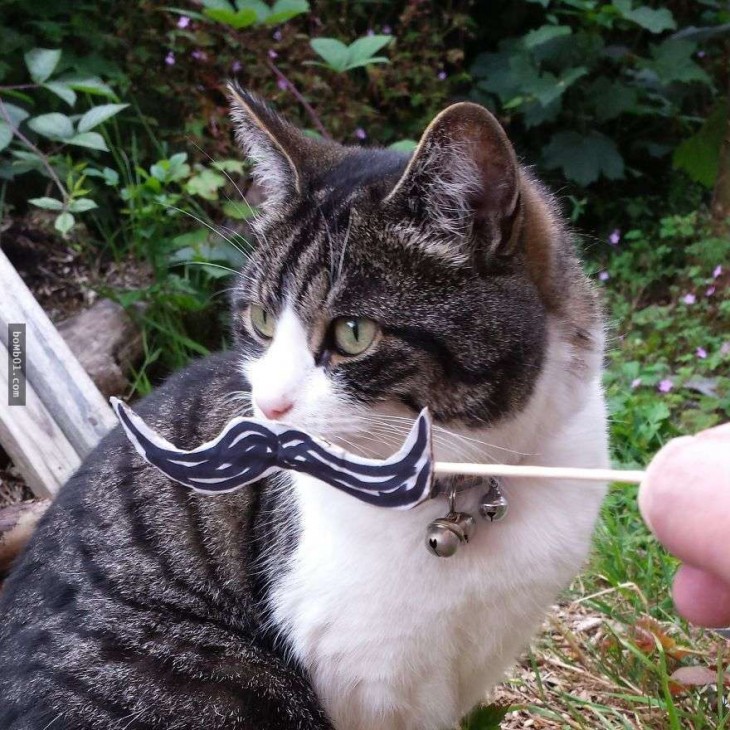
(119, 177)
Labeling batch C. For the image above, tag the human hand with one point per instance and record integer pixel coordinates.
(685, 501)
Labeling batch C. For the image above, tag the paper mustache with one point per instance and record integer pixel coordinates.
(248, 449)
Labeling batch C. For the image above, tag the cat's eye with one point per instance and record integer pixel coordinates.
(263, 322)
(353, 335)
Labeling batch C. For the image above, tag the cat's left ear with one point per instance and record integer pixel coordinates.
(463, 181)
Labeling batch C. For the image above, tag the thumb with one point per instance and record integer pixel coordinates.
(685, 500)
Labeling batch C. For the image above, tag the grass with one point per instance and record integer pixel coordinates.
(608, 655)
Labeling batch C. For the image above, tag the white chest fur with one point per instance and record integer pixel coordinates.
(397, 639)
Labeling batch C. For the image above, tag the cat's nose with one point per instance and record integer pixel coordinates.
(275, 408)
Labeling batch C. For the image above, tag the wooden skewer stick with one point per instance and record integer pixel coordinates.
(624, 476)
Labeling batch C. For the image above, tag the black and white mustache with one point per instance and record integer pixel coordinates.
(249, 449)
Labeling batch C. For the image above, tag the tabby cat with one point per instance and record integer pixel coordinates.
(381, 283)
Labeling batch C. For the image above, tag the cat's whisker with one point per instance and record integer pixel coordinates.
(209, 226)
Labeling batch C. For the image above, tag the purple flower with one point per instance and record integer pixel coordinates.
(635, 383)
(604, 276)
(199, 55)
(360, 133)
(283, 84)
(387, 30)
(277, 35)
(710, 291)
(725, 349)
(273, 54)
(717, 271)
(183, 21)
(614, 237)
(442, 75)
(236, 66)
(689, 298)
(170, 59)
(701, 353)
(370, 32)
(665, 385)
(701, 54)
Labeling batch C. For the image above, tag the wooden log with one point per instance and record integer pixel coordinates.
(67, 392)
(107, 342)
(33, 440)
(16, 526)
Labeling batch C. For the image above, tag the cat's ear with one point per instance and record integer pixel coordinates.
(277, 149)
(463, 181)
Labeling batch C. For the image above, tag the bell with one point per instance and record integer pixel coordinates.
(493, 505)
(443, 537)
(466, 523)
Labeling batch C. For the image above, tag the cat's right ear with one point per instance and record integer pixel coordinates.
(277, 149)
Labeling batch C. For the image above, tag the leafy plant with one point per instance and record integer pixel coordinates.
(19, 128)
(603, 82)
(240, 14)
(339, 57)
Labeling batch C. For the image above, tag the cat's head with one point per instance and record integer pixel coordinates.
(383, 282)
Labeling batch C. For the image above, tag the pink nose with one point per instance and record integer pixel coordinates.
(274, 409)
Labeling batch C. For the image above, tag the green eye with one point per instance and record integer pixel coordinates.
(262, 321)
(353, 335)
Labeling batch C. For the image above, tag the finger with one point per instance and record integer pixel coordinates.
(718, 432)
(702, 598)
(685, 500)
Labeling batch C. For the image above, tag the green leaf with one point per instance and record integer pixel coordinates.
(611, 99)
(99, 114)
(699, 155)
(333, 52)
(205, 184)
(584, 158)
(366, 62)
(111, 177)
(235, 166)
(81, 205)
(547, 33)
(363, 49)
(17, 114)
(672, 63)
(404, 145)
(237, 19)
(6, 134)
(64, 223)
(41, 63)
(92, 140)
(88, 85)
(655, 21)
(238, 210)
(216, 4)
(284, 10)
(61, 90)
(54, 126)
(47, 203)
(547, 88)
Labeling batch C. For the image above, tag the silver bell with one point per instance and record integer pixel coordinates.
(443, 537)
(446, 534)
(493, 505)
(466, 523)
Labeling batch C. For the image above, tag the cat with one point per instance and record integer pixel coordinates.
(382, 282)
